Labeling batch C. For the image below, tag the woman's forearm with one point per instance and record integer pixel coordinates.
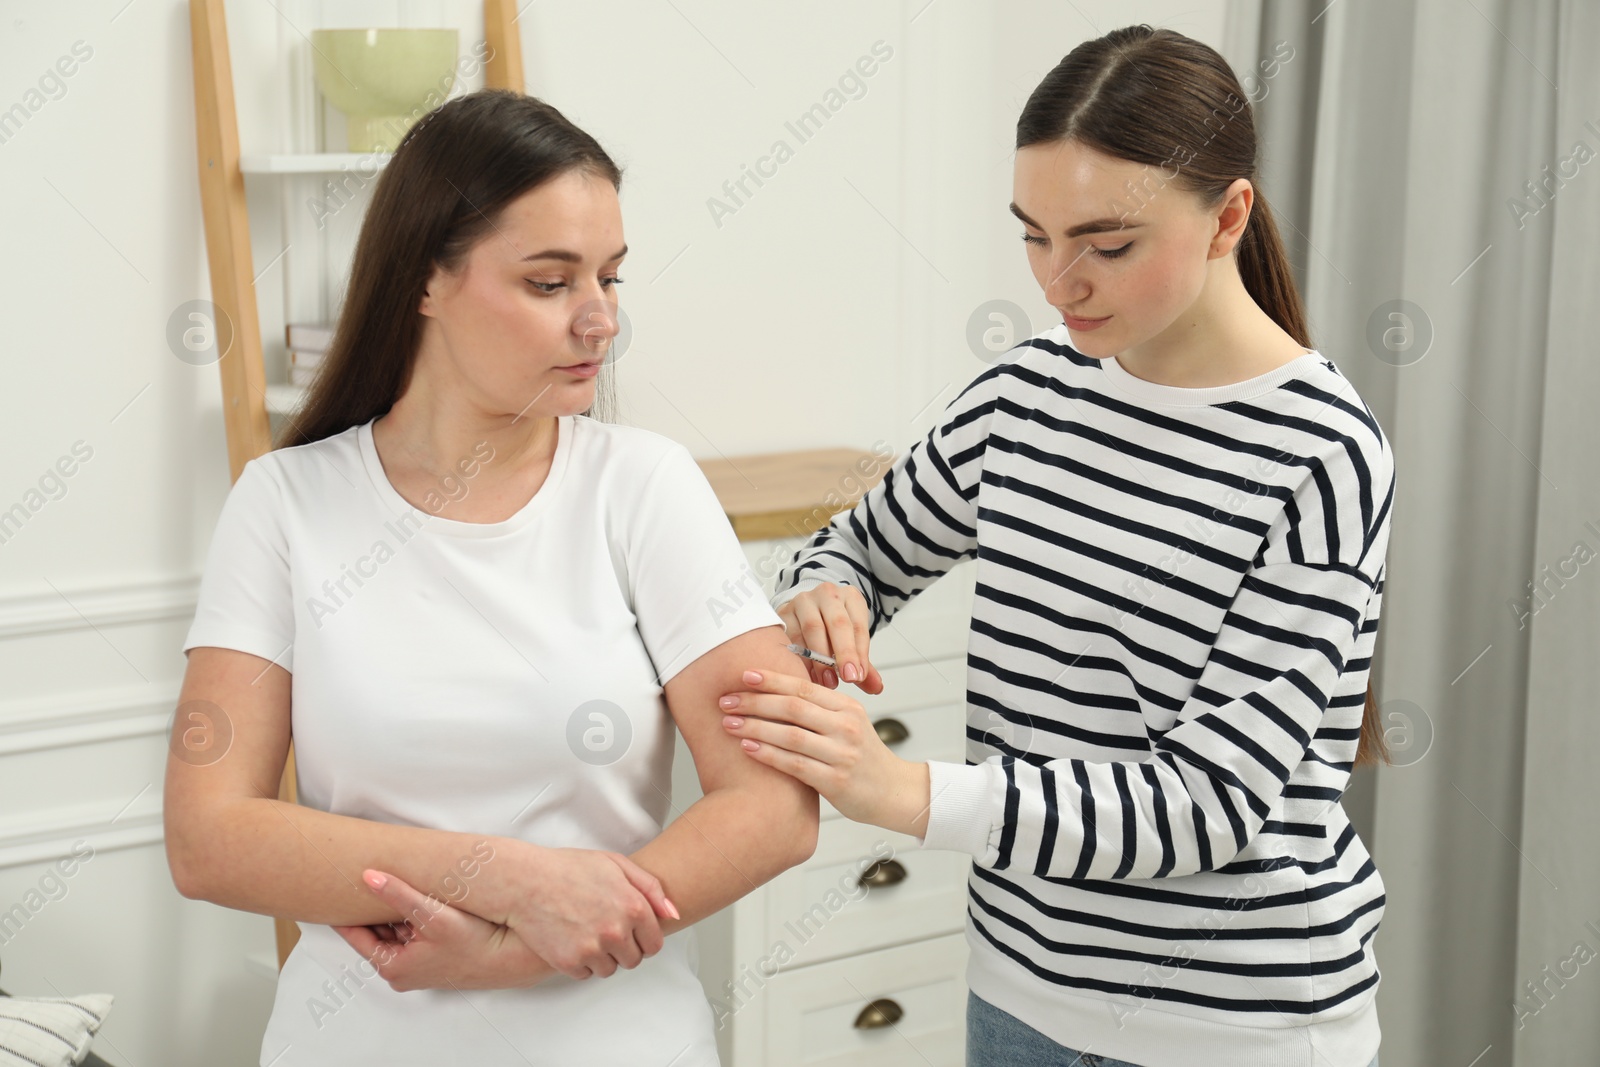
(752, 823)
(276, 858)
(288, 860)
(724, 845)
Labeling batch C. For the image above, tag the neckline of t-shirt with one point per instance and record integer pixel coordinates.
(565, 427)
(1155, 393)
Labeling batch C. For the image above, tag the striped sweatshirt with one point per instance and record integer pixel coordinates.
(1177, 599)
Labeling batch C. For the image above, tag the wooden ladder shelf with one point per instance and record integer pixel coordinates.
(227, 227)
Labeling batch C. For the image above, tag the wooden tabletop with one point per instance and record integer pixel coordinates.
(791, 494)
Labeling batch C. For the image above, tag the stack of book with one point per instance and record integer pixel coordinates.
(308, 343)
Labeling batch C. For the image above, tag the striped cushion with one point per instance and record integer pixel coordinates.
(49, 1031)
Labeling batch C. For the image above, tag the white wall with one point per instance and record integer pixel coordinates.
(831, 309)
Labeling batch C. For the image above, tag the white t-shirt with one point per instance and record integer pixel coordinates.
(498, 678)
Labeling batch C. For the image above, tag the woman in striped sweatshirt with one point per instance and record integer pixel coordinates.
(1179, 511)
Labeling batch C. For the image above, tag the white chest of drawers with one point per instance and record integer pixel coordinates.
(856, 957)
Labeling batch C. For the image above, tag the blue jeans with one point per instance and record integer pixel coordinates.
(999, 1039)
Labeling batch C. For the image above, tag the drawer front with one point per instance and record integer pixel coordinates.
(826, 908)
(814, 1014)
(926, 703)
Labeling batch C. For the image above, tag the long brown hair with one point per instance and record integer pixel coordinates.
(444, 189)
(1139, 93)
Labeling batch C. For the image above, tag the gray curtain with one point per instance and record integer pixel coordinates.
(1435, 169)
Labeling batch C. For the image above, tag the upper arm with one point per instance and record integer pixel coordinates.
(230, 740)
(719, 760)
(230, 735)
(690, 586)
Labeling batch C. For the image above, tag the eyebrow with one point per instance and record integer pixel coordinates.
(1092, 226)
(568, 256)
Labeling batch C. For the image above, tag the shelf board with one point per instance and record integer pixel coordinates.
(313, 163)
(791, 494)
(284, 399)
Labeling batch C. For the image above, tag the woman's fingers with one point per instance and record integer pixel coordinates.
(874, 682)
(590, 911)
(778, 735)
(647, 884)
(856, 620)
(788, 698)
(812, 699)
(820, 674)
(828, 601)
(441, 945)
(821, 738)
(791, 623)
(834, 620)
(647, 936)
(417, 908)
(814, 635)
(364, 941)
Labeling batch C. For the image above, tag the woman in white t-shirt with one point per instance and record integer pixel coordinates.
(479, 612)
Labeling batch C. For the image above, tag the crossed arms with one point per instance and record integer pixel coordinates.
(232, 842)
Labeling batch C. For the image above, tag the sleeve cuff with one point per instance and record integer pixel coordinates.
(966, 809)
(223, 634)
(750, 615)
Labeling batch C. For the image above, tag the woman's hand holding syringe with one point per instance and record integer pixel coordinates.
(830, 626)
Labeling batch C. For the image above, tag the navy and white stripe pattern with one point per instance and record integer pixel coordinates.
(1175, 613)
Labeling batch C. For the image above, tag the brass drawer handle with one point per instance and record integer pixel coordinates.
(878, 1014)
(891, 731)
(883, 873)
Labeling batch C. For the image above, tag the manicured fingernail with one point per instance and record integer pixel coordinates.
(374, 879)
(830, 678)
(749, 745)
(850, 674)
(752, 677)
(732, 722)
(729, 701)
(671, 908)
